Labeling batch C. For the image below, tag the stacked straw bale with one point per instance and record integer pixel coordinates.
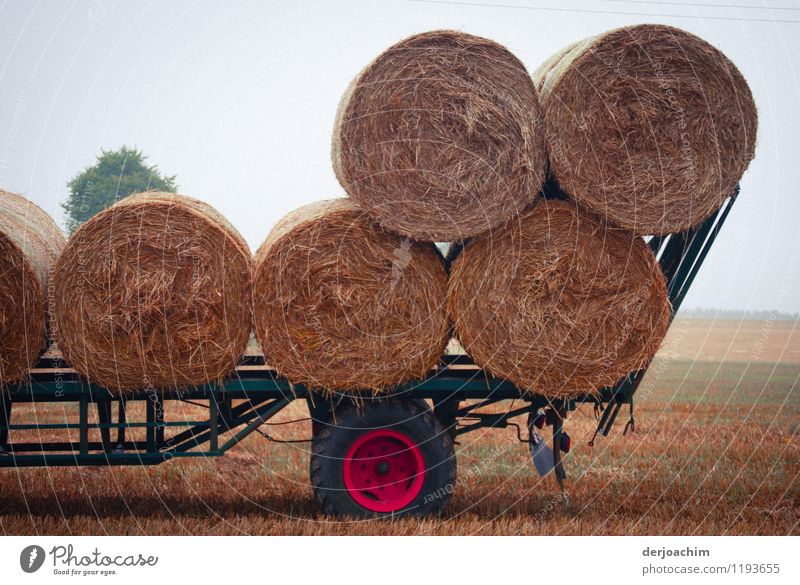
(343, 305)
(154, 292)
(557, 302)
(30, 242)
(648, 126)
(440, 137)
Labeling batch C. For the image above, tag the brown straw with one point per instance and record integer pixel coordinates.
(558, 303)
(648, 126)
(344, 305)
(154, 292)
(440, 137)
(30, 242)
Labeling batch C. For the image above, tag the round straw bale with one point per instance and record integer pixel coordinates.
(343, 305)
(153, 292)
(440, 137)
(649, 126)
(557, 302)
(30, 242)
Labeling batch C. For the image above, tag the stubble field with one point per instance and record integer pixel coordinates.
(715, 451)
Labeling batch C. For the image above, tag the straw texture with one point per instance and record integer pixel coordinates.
(30, 241)
(557, 302)
(648, 126)
(154, 292)
(343, 305)
(440, 137)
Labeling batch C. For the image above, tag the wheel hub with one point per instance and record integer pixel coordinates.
(384, 470)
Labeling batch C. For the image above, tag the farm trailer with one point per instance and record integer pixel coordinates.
(371, 455)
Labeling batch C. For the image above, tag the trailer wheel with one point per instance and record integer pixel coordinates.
(386, 459)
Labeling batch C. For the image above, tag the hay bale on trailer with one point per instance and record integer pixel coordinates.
(342, 304)
(153, 292)
(440, 137)
(30, 242)
(648, 125)
(557, 302)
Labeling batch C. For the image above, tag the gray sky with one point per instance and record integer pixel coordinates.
(239, 102)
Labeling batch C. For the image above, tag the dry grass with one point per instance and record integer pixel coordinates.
(440, 137)
(715, 452)
(30, 241)
(647, 125)
(733, 340)
(343, 304)
(153, 292)
(557, 302)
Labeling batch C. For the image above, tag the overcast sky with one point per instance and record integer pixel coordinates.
(238, 100)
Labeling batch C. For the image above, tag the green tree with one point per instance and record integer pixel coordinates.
(115, 174)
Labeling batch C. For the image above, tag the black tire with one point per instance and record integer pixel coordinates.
(331, 445)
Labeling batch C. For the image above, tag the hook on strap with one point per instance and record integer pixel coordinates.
(631, 424)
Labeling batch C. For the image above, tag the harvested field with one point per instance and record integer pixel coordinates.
(715, 452)
(733, 340)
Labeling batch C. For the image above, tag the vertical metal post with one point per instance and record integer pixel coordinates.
(558, 464)
(122, 418)
(155, 423)
(151, 426)
(159, 416)
(447, 412)
(104, 416)
(83, 408)
(213, 421)
(5, 420)
(560, 413)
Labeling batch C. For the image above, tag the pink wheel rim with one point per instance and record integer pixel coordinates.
(384, 470)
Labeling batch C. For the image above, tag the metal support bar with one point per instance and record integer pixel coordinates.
(61, 426)
(558, 463)
(692, 273)
(655, 243)
(83, 431)
(687, 261)
(494, 421)
(213, 423)
(469, 408)
(104, 416)
(122, 419)
(321, 412)
(94, 459)
(155, 415)
(603, 420)
(195, 436)
(5, 420)
(159, 404)
(224, 408)
(262, 415)
(55, 446)
(446, 412)
(612, 419)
